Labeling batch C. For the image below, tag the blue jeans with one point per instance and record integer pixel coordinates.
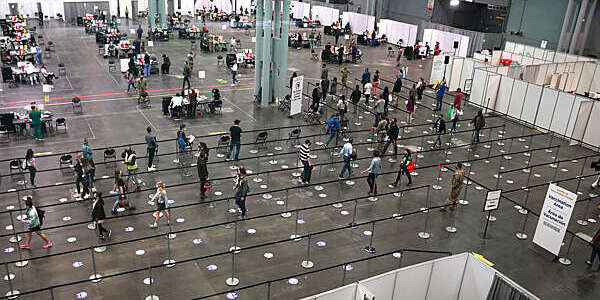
(438, 102)
(147, 70)
(387, 144)
(306, 172)
(331, 136)
(237, 150)
(116, 204)
(240, 200)
(346, 166)
(233, 77)
(130, 85)
(476, 135)
(438, 140)
(454, 124)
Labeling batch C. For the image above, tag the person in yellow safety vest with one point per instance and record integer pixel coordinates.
(130, 160)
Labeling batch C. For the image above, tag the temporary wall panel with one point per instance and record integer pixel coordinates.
(592, 132)
(583, 118)
(467, 72)
(532, 100)
(574, 114)
(478, 86)
(358, 22)
(587, 75)
(300, 9)
(396, 31)
(325, 15)
(455, 74)
(347, 292)
(413, 284)
(493, 83)
(562, 113)
(445, 278)
(517, 98)
(476, 282)
(382, 286)
(546, 108)
(504, 94)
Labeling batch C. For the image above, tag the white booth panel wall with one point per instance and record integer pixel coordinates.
(446, 278)
(467, 72)
(519, 49)
(541, 75)
(592, 131)
(446, 40)
(517, 98)
(347, 292)
(574, 114)
(504, 94)
(412, 282)
(496, 55)
(382, 286)
(578, 70)
(478, 86)
(518, 58)
(503, 70)
(509, 46)
(505, 55)
(358, 22)
(595, 86)
(526, 61)
(550, 55)
(571, 58)
(397, 31)
(300, 9)
(571, 84)
(587, 74)
(325, 15)
(539, 53)
(463, 48)
(493, 83)
(562, 113)
(477, 280)
(546, 108)
(532, 101)
(530, 73)
(455, 75)
(528, 51)
(439, 69)
(537, 61)
(560, 57)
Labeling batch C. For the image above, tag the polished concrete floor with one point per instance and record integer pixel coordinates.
(202, 232)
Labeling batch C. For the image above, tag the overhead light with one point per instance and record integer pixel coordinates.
(454, 2)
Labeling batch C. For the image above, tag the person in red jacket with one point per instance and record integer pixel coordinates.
(458, 98)
(595, 243)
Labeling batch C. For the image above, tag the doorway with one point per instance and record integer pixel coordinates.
(170, 7)
(13, 8)
(134, 10)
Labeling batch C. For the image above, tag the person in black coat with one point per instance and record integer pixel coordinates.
(316, 98)
(202, 169)
(439, 127)
(98, 216)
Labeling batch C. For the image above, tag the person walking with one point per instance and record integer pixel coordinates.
(162, 204)
(347, 153)
(456, 188)
(366, 76)
(478, 123)
(33, 219)
(342, 107)
(405, 165)
(355, 97)
(333, 126)
(454, 116)
(367, 89)
(324, 71)
(98, 216)
(324, 88)
(316, 98)
(130, 160)
(151, 145)
(241, 189)
(166, 65)
(410, 105)
(235, 133)
(392, 137)
(333, 88)
(595, 243)
(375, 82)
(35, 115)
(458, 98)
(379, 108)
(142, 85)
(147, 64)
(130, 81)
(139, 32)
(420, 88)
(345, 74)
(234, 70)
(187, 73)
(304, 155)
(373, 170)
(439, 127)
(31, 166)
(121, 188)
(439, 95)
(202, 168)
(79, 179)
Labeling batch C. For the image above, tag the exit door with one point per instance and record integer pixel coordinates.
(13, 8)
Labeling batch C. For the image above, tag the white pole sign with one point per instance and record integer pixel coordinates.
(492, 201)
(554, 218)
(296, 99)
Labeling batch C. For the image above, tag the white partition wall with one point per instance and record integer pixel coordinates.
(396, 31)
(446, 40)
(325, 15)
(299, 9)
(462, 277)
(592, 132)
(358, 22)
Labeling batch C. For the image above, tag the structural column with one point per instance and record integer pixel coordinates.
(267, 57)
(564, 33)
(283, 58)
(258, 53)
(588, 25)
(580, 18)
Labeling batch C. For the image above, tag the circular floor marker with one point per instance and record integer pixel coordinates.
(71, 239)
(273, 162)
(180, 220)
(293, 281)
(81, 295)
(212, 268)
(397, 255)
(197, 241)
(218, 193)
(564, 170)
(280, 202)
(148, 281)
(232, 295)
(284, 166)
(77, 264)
(251, 231)
(140, 252)
(10, 207)
(318, 188)
(62, 200)
(367, 232)
(235, 249)
(349, 268)
(267, 196)
(268, 255)
(509, 181)
(479, 188)
(9, 227)
(344, 212)
(301, 221)
(537, 175)
(121, 209)
(263, 186)
(66, 219)
(397, 216)
(321, 244)
(9, 250)
(100, 249)
(322, 195)
(129, 229)
(257, 179)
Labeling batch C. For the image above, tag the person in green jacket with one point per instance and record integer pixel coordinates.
(36, 122)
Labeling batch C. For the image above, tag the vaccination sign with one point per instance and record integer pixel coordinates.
(554, 218)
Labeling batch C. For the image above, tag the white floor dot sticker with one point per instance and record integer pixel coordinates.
(81, 295)
(211, 267)
(397, 254)
(10, 207)
(71, 239)
(77, 264)
(129, 229)
(180, 220)
(9, 227)
(280, 202)
(66, 219)
(62, 200)
(268, 255)
(148, 281)
(344, 212)
(322, 195)
(367, 232)
(9, 250)
(232, 295)
(218, 193)
(293, 281)
(251, 231)
(349, 268)
(197, 241)
(301, 221)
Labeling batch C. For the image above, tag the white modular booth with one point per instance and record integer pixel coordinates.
(299, 9)
(458, 73)
(542, 106)
(396, 31)
(358, 22)
(325, 15)
(458, 277)
(446, 40)
(529, 55)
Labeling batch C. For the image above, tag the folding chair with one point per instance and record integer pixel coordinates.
(222, 145)
(261, 140)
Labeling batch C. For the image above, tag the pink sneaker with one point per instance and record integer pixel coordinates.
(47, 245)
(24, 246)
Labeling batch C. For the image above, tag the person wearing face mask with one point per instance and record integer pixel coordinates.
(241, 189)
(162, 203)
(98, 216)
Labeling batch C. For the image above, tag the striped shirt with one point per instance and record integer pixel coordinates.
(304, 152)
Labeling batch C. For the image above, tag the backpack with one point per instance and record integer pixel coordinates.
(354, 154)
(331, 124)
(41, 214)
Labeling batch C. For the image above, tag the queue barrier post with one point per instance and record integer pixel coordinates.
(424, 234)
(307, 263)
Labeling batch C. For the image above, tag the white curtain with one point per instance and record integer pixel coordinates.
(325, 15)
(299, 10)
(222, 5)
(396, 31)
(358, 22)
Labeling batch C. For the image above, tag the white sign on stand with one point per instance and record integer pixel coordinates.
(201, 74)
(150, 44)
(296, 99)
(492, 201)
(554, 218)
(254, 39)
(544, 44)
(223, 27)
(132, 31)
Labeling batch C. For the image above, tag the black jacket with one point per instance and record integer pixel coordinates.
(202, 169)
(316, 95)
(98, 211)
(440, 126)
(355, 97)
(393, 132)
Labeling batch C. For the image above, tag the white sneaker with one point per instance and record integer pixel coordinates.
(176, 161)
(595, 185)
(151, 169)
(153, 225)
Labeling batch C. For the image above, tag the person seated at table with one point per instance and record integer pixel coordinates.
(347, 28)
(175, 108)
(193, 97)
(48, 76)
(216, 101)
(112, 50)
(233, 43)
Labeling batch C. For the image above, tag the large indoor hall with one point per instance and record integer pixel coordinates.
(278, 149)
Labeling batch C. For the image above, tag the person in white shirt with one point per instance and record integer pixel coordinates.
(367, 91)
(234, 70)
(233, 43)
(175, 107)
(346, 153)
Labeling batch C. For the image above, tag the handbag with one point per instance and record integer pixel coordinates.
(207, 185)
(411, 167)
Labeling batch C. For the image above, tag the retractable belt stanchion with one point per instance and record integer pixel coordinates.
(149, 281)
(15, 238)
(467, 182)
(12, 293)
(307, 263)
(549, 150)
(233, 281)
(339, 196)
(353, 223)
(438, 178)
(565, 260)
(286, 213)
(424, 234)
(583, 221)
(296, 237)
(370, 233)
(95, 277)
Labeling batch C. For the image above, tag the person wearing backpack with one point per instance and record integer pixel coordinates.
(162, 204)
(478, 122)
(420, 89)
(202, 169)
(333, 125)
(392, 137)
(439, 127)
(347, 153)
(34, 219)
(98, 216)
(242, 189)
(595, 243)
(404, 169)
